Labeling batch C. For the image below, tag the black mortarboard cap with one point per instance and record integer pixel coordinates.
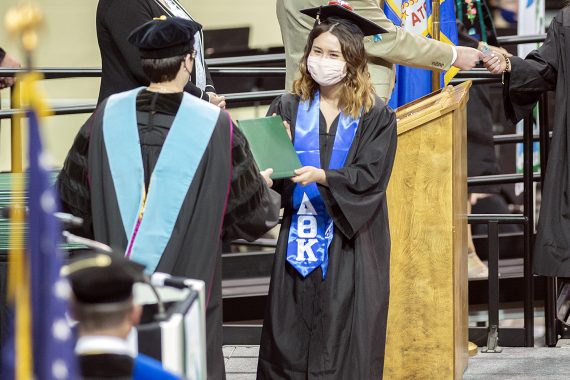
(336, 10)
(165, 37)
(100, 278)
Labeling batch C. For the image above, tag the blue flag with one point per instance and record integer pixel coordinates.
(415, 17)
(52, 339)
(40, 340)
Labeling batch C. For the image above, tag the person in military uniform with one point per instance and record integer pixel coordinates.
(102, 303)
(397, 46)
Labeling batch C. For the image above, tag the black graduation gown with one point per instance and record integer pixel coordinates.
(121, 63)
(546, 69)
(194, 249)
(481, 156)
(336, 328)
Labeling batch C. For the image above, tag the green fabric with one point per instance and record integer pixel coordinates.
(6, 197)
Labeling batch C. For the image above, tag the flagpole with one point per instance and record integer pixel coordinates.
(16, 134)
(435, 29)
(21, 22)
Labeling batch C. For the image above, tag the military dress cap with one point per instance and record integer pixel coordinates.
(165, 37)
(101, 278)
(343, 10)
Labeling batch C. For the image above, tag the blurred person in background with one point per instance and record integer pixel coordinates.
(121, 65)
(9, 62)
(476, 29)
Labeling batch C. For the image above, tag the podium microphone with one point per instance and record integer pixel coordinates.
(95, 245)
(164, 279)
(161, 314)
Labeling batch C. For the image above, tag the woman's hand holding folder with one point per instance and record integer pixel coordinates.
(309, 174)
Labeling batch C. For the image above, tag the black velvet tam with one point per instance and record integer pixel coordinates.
(98, 278)
(341, 10)
(165, 37)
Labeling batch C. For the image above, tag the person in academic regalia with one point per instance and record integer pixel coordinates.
(164, 176)
(525, 80)
(102, 304)
(475, 29)
(121, 66)
(328, 298)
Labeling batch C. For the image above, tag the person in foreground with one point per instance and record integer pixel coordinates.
(164, 176)
(102, 304)
(525, 80)
(328, 297)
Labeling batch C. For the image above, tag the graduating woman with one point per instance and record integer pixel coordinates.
(328, 298)
(525, 80)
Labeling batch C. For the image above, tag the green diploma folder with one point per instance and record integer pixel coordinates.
(270, 145)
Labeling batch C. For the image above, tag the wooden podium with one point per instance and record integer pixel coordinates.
(427, 199)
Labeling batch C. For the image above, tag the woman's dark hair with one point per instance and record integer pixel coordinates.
(160, 70)
(357, 90)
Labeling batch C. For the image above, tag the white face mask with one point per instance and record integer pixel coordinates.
(326, 71)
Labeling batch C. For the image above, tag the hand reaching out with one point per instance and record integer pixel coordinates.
(495, 63)
(499, 50)
(467, 57)
(8, 62)
(309, 174)
(217, 100)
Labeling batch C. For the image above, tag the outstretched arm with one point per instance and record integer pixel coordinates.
(419, 51)
(526, 79)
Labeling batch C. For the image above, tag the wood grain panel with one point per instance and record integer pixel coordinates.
(427, 319)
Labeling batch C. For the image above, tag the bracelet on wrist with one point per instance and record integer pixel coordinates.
(508, 64)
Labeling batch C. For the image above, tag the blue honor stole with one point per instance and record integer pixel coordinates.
(149, 218)
(312, 229)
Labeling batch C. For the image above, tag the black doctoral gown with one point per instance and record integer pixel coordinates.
(336, 328)
(211, 209)
(121, 63)
(543, 70)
